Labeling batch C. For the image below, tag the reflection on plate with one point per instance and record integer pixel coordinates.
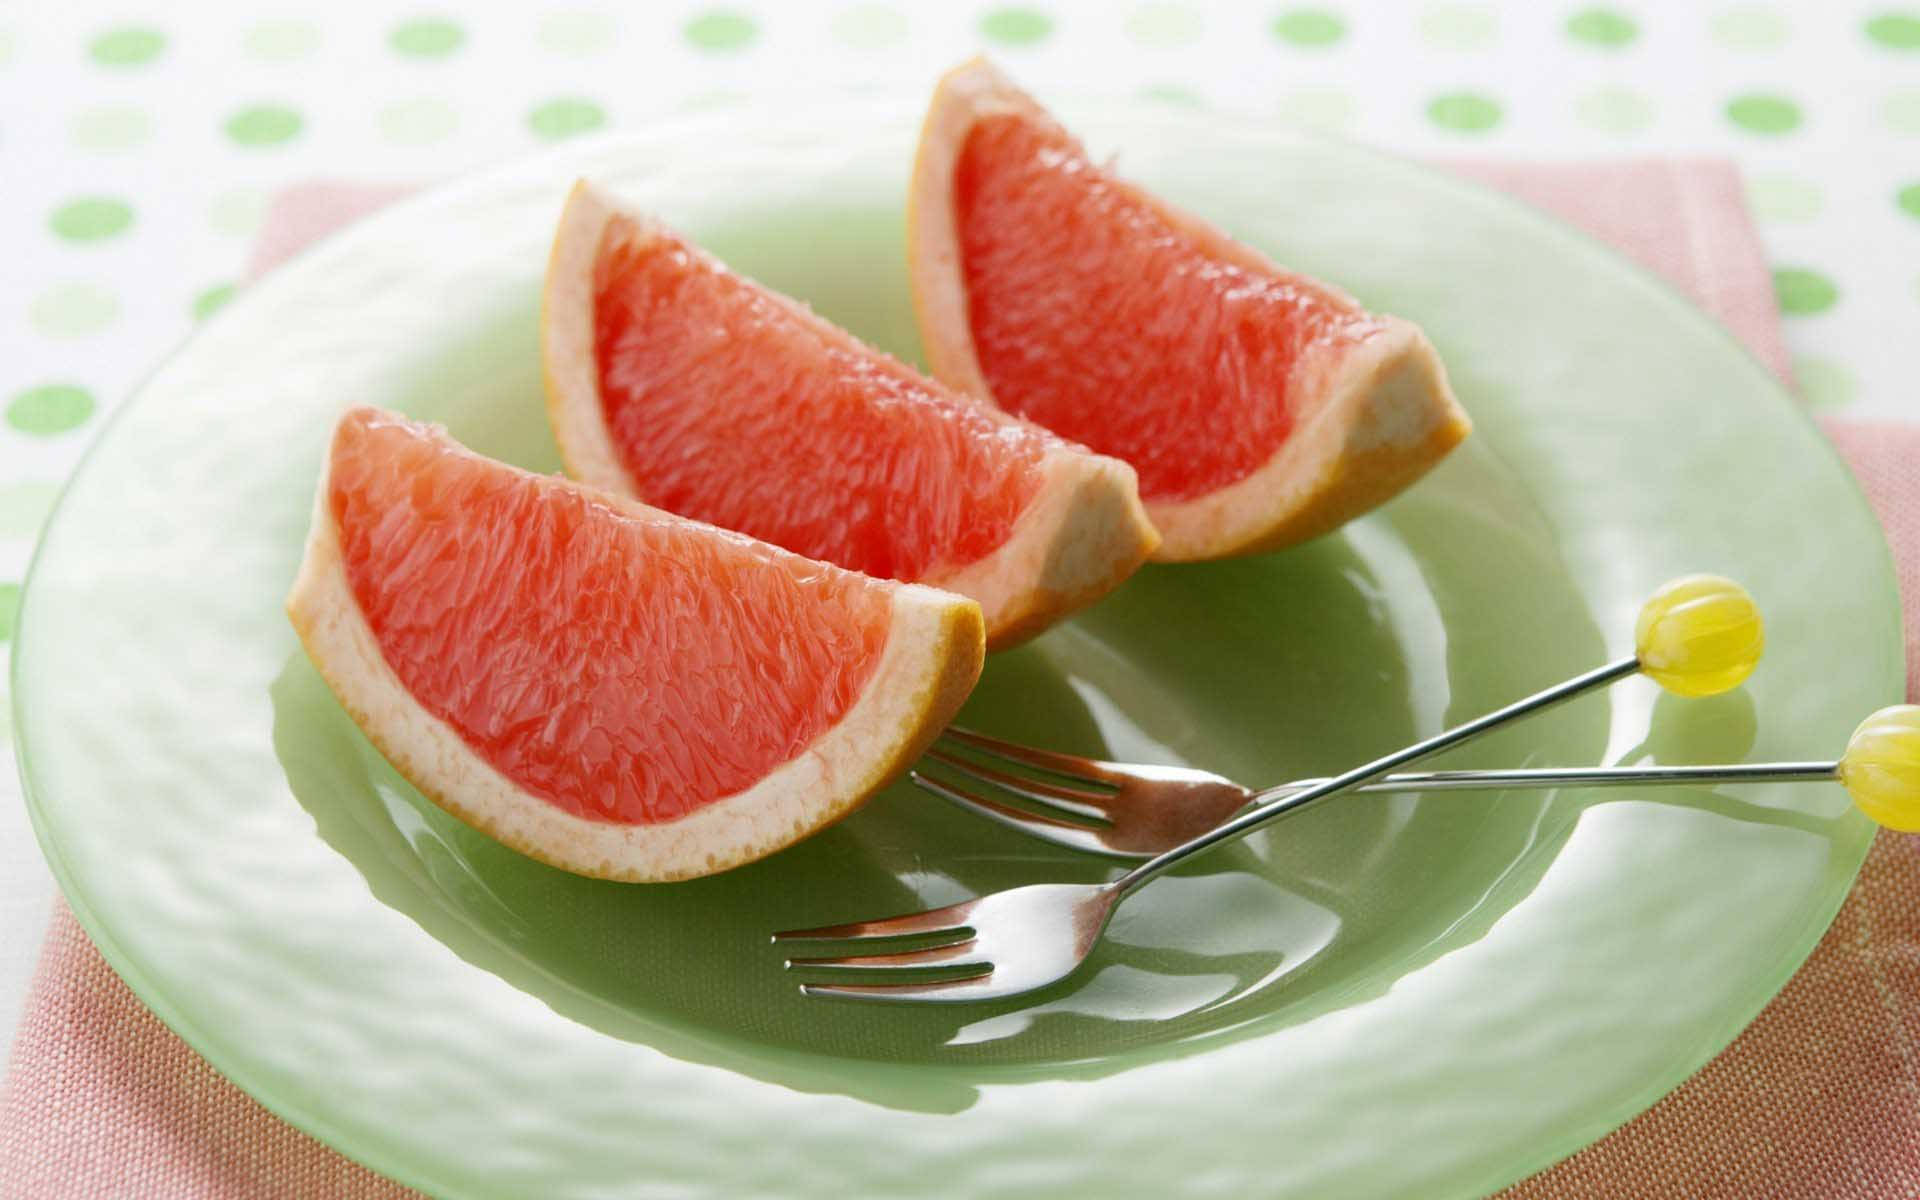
(1351, 637)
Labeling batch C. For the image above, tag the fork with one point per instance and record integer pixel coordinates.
(1698, 635)
(1137, 810)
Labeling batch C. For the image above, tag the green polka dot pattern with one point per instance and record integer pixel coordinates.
(1749, 27)
(1895, 30)
(426, 38)
(91, 219)
(1783, 198)
(212, 300)
(24, 508)
(1320, 108)
(578, 32)
(1016, 26)
(237, 213)
(1614, 110)
(1309, 27)
(126, 47)
(280, 41)
(49, 409)
(1464, 112)
(73, 310)
(720, 32)
(1164, 25)
(1459, 27)
(110, 128)
(418, 122)
(1603, 27)
(870, 26)
(1901, 113)
(565, 117)
(264, 125)
(1764, 113)
(1803, 292)
(1816, 104)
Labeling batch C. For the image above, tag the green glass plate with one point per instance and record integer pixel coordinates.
(1426, 994)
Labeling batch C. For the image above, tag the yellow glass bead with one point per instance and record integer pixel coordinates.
(1882, 767)
(1699, 636)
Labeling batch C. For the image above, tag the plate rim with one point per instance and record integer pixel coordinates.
(314, 1123)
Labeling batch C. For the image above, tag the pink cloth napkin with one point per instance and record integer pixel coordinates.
(1817, 1098)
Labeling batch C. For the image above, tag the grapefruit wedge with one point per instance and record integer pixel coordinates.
(608, 688)
(675, 381)
(1259, 407)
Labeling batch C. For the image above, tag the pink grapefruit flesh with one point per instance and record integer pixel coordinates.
(672, 328)
(609, 668)
(1256, 405)
(692, 388)
(1059, 254)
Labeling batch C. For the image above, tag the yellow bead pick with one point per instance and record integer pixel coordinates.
(1699, 635)
(1881, 768)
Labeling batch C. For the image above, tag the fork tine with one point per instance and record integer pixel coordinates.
(1071, 766)
(933, 956)
(972, 987)
(1006, 814)
(1085, 838)
(949, 920)
(1072, 800)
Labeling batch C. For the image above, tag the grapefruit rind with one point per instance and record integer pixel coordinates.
(1080, 536)
(1375, 429)
(1083, 533)
(1378, 418)
(929, 663)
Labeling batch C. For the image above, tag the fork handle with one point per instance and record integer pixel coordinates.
(1556, 777)
(1249, 821)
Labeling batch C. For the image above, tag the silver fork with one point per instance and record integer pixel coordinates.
(1137, 810)
(1023, 938)
(1696, 636)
